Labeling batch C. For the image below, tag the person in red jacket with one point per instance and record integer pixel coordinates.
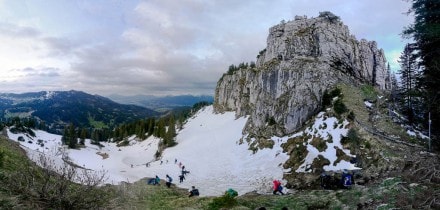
(277, 187)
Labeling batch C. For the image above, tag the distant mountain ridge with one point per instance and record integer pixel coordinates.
(161, 102)
(57, 108)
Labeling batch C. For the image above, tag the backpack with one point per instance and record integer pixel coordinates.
(347, 180)
(280, 188)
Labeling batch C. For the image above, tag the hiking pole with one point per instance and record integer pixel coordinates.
(429, 133)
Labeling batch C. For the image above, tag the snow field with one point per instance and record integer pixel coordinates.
(207, 147)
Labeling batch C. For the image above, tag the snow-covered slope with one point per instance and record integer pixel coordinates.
(208, 147)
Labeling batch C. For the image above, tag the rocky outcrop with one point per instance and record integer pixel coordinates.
(303, 58)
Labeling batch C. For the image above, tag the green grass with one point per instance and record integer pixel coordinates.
(368, 92)
(97, 124)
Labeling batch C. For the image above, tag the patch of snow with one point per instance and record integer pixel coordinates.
(325, 132)
(411, 133)
(49, 94)
(368, 104)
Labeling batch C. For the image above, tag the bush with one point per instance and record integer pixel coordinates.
(351, 116)
(326, 99)
(335, 92)
(367, 145)
(225, 201)
(272, 121)
(124, 143)
(352, 138)
(53, 186)
(339, 107)
(2, 158)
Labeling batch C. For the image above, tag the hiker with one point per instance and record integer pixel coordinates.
(346, 179)
(181, 178)
(194, 192)
(231, 192)
(175, 161)
(277, 187)
(161, 162)
(185, 172)
(169, 180)
(152, 181)
(183, 168)
(157, 180)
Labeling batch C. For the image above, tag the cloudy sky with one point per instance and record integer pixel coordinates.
(160, 47)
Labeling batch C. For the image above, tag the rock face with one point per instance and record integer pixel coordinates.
(303, 58)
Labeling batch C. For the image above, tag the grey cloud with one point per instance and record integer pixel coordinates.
(60, 46)
(18, 31)
(185, 47)
(32, 73)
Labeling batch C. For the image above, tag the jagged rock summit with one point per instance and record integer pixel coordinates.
(303, 58)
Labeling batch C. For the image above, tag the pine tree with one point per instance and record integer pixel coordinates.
(394, 87)
(171, 133)
(388, 78)
(426, 32)
(160, 131)
(83, 136)
(71, 136)
(151, 126)
(65, 138)
(408, 73)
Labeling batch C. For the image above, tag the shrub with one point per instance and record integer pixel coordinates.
(124, 143)
(330, 16)
(335, 92)
(351, 116)
(272, 121)
(326, 99)
(2, 158)
(368, 145)
(353, 135)
(225, 201)
(52, 186)
(352, 138)
(339, 107)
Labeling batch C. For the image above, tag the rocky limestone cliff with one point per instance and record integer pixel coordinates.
(303, 58)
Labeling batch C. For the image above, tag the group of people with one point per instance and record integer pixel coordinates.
(183, 173)
(168, 180)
